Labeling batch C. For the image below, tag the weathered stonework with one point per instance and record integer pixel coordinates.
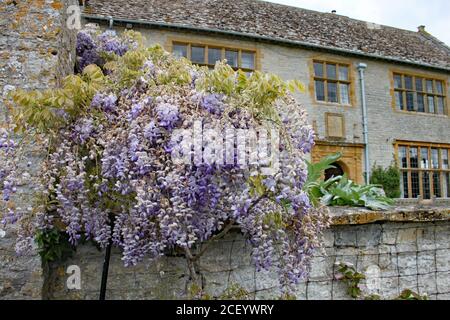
(406, 249)
(36, 52)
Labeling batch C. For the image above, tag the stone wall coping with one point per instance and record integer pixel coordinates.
(358, 216)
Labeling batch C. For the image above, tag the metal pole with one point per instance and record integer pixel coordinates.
(106, 262)
(361, 68)
(105, 271)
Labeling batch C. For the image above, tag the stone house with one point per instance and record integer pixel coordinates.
(407, 248)
(404, 74)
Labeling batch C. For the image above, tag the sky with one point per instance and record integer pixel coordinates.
(404, 14)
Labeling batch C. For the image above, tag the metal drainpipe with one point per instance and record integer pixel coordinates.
(361, 68)
(111, 22)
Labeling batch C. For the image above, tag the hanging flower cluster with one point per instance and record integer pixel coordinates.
(94, 47)
(111, 174)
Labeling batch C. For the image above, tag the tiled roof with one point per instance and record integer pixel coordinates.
(264, 19)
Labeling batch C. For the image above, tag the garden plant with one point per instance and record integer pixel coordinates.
(110, 172)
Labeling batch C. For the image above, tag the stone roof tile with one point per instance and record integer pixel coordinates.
(280, 22)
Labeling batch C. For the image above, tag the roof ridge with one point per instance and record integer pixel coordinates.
(280, 22)
(338, 15)
(429, 36)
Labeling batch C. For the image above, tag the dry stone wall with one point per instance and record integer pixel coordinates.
(403, 249)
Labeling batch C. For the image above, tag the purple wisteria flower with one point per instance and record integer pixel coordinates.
(167, 115)
(137, 108)
(6, 143)
(109, 42)
(8, 189)
(83, 130)
(152, 132)
(114, 46)
(84, 43)
(104, 102)
(213, 103)
(112, 173)
(86, 51)
(305, 139)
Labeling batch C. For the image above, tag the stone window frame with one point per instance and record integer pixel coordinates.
(404, 90)
(350, 81)
(408, 171)
(217, 45)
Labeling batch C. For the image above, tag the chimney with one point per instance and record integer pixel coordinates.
(421, 28)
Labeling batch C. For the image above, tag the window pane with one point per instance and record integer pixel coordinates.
(408, 83)
(415, 189)
(398, 81)
(437, 184)
(214, 55)
(447, 182)
(430, 86)
(232, 58)
(424, 159)
(413, 158)
(444, 155)
(410, 101)
(247, 60)
(419, 84)
(345, 97)
(198, 54)
(426, 185)
(435, 158)
(318, 69)
(402, 157)
(420, 102)
(343, 73)
(332, 92)
(320, 90)
(439, 87)
(431, 104)
(179, 50)
(405, 185)
(331, 71)
(440, 105)
(399, 100)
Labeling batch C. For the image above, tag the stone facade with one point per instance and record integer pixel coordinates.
(404, 249)
(36, 52)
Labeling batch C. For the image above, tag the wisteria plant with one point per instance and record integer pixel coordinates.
(109, 173)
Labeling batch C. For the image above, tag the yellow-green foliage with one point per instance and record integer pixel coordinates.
(235, 292)
(37, 109)
(258, 92)
(128, 68)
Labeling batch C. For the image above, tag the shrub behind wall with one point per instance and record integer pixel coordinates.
(389, 178)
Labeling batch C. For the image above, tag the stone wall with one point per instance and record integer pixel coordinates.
(36, 51)
(403, 249)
